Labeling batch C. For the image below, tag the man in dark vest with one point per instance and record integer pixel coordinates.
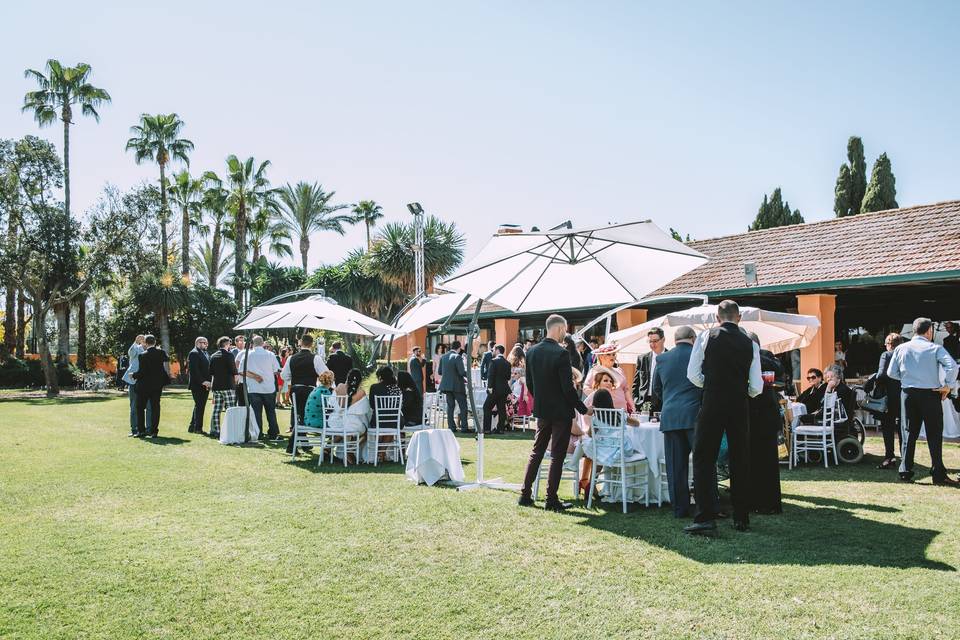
(725, 363)
(300, 372)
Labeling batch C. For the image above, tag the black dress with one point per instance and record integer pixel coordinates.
(411, 408)
(765, 425)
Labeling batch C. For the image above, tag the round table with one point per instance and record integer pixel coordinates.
(433, 454)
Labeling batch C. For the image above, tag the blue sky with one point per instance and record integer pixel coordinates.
(530, 113)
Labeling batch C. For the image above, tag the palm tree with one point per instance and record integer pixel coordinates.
(367, 212)
(209, 267)
(392, 257)
(214, 203)
(60, 89)
(247, 190)
(186, 192)
(161, 295)
(306, 210)
(266, 229)
(155, 139)
(354, 284)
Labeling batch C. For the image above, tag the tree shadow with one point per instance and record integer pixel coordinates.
(827, 534)
(308, 462)
(43, 401)
(864, 471)
(165, 440)
(840, 504)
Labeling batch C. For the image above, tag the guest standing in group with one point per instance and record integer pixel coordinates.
(522, 398)
(951, 342)
(260, 368)
(339, 362)
(890, 419)
(575, 360)
(498, 389)
(725, 363)
(223, 371)
(766, 423)
(198, 365)
(133, 356)
(919, 365)
(486, 359)
(606, 358)
(453, 377)
(301, 372)
(239, 352)
(438, 352)
(679, 401)
(586, 354)
(415, 365)
(646, 366)
(153, 375)
(411, 407)
(550, 378)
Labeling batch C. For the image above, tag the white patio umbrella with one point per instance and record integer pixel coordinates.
(777, 331)
(315, 312)
(565, 268)
(430, 309)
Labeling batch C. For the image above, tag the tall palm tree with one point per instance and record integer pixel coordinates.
(367, 212)
(59, 89)
(392, 257)
(163, 296)
(215, 205)
(247, 189)
(156, 139)
(306, 209)
(268, 235)
(210, 268)
(186, 192)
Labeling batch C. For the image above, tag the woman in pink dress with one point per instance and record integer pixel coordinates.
(601, 379)
(606, 358)
(523, 400)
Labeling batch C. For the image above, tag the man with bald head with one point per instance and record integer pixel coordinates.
(260, 371)
(679, 402)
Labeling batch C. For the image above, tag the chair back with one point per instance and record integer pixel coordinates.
(430, 400)
(608, 427)
(832, 407)
(336, 407)
(387, 413)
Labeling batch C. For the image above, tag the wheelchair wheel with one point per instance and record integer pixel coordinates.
(849, 450)
(860, 430)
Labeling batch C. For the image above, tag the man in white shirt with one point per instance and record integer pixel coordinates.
(133, 355)
(239, 351)
(261, 367)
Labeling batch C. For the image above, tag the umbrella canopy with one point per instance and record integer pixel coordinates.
(568, 268)
(314, 313)
(777, 331)
(432, 308)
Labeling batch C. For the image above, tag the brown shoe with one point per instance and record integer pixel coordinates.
(946, 482)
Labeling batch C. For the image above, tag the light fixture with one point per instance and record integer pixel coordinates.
(415, 208)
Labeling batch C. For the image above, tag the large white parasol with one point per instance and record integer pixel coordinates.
(315, 312)
(777, 331)
(567, 268)
(431, 308)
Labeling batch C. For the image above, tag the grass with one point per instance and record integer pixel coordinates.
(102, 536)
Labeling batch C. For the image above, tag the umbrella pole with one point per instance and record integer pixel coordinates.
(495, 483)
(246, 393)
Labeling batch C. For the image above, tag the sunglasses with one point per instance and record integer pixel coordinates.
(812, 377)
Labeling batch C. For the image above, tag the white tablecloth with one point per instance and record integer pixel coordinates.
(231, 427)
(797, 409)
(432, 454)
(951, 421)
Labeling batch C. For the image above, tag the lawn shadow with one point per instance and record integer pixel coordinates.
(864, 471)
(826, 534)
(165, 440)
(42, 400)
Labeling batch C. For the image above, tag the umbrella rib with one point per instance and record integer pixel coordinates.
(509, 281)
(642, 246)
(537, 281)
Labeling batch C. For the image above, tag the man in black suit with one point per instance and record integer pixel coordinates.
(340, 363)
(549, 378)
(498, 388)
(152, 377)
(485, 361)
(198, 365)
(646, 366)
(415, 367)
(725, 363)
(951, 342)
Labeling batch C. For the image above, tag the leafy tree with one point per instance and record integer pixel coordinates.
(266, 232)
(306, 210)
(391, 256)
(9, 211)
(58, 91)
(843, 194)
(270, 279)
(156, 139)
(367, 212)
(206, 269)
(679, 238)
(205, 312)
(851, 181)
(162, 296)
(775, 212)
(187, 193)
(247, 190)
(882, 190)
(354, 284)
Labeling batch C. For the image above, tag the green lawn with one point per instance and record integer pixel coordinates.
(102, 536)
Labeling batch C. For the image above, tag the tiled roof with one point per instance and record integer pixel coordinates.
(912, 240)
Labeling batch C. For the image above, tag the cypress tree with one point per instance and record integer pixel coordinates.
(775, 212)
(858, 173)
(843, 194)
(882, 191)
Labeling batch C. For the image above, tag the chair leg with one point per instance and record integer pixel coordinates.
(536, 482)
(623, 483)
(593, 484)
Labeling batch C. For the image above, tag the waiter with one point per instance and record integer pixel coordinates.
(725, 363)
(918, 365)
(300, 372)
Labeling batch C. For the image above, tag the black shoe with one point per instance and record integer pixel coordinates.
(906, 476)
(214, 434)
(525, 501)
(708, 528)
(946, 481)
(141, 435)
(741, 525)
(558, 506)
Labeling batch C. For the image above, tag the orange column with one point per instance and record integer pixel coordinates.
(507, 331)
(626, 319)
(399, 350)
(819, 353)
